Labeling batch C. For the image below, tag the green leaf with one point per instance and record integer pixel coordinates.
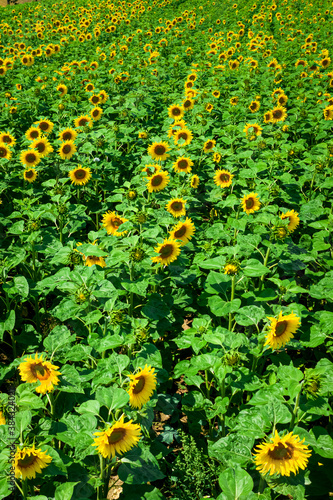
(22, 420)
(217, 283)
(215, 263)
(232, 450)
(70, 380)
(91, 250)
(250, 315)
(17, 228)
(91, 406)
(236, 484)
(139, 287)
(65, 491)
(139, 466)
(112, 397)
(254, 268)
(155, 308)
(25, 398)
(58, 338)
(22, 286)
(221, 308)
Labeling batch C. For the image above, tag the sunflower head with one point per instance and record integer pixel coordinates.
(195, 181)
(28, 461)
(183, 231)
(158, 150)
(158, 181)
(251, 203)
(167, 251)
(223, 178)
(142, 386)
(80, 175)
(281, 330)
(176, 207)
(37, 370)
(112, 221)
(118, 438)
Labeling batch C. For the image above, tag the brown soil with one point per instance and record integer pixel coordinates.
(3, 3)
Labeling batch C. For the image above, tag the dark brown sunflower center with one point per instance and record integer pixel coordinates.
(187, 103)
(249, 203)
(3, 152)
(117, 435)
(325, 62)
(26, 461)
(183, 135)
(253, 106)
(29, 174)
(224, 177)
(67, 136)
(95, 112)
(180, 232)
(61, 89)
(6, 139)
(160, 150)
(83, 121)
(176, 111)
(156, 180)
(34, 134)
(116, 222)
(95, 99)
(166, 251)
(282, 452)
(79, 174)
(44, 126)
(209, 145)
(182, 164)
(280, 328)
(277, 113)
(40, 372)
(255, 129)
(176, 206)
(67, 149)
(141, 382)
(40, 147)
(31, 158)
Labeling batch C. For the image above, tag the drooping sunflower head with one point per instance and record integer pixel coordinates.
(118, 439)
(30, 158)
(142, 386)
(195, 181)
(28, 461)
(112, 221)
(167, 251)
(158, 181)
(176, 207)
(37, 370)
(282, 455)
(30, 175)
(80, 175)
(209, 145)
(183, 164)
(251, 203)
(158, 150)
(68, 134)
(176, 112)
(67, 150)
(183, 231)
(223, 178)
(282, 330)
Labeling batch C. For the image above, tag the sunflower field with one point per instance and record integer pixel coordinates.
(166, 258)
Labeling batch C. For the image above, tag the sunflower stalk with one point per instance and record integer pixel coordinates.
(261, 281)
(261, 484)
(25, 489)
(130, 310)
(295, 410)
(233, 285)
(51, 401)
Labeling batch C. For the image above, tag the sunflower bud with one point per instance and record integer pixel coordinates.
(61, 107)
(33, 225)
(131, 194)
(116, 317)
(73, 98)
(73, 258)
(37, 92)
(231, 358)
(81, 294)
(137, 254)
(312, 385)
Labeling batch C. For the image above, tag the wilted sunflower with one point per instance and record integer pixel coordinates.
(5, 152)
(80, 175)
(37, 370)
(46, 126)
(168, 252)
(251, 203)
(279, 114)
(33, 133)
(183, 164)
(282, 455)
(111, 222)
(62, 89)
(183, 134)
(293, 218)
(30, 175)
(176, 112)
(67, 150)
(96, 113)
(176, 207)
(282, 330)
(118, 439)
(158, 181)
(68, 134)
(223, 178)
(142, 386)
(43, 146)
(83, 121)
(158, 150)
(30, 158)
(209, 145)
(253, 128)
(183, 231)
(7, 138)
(195, 181)
(28, 461)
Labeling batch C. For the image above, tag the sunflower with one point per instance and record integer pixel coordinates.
(2, 419)
(37, 370)
(328, 113)
(80, 175)
(83, 121)
(66, 150)
(279, 114)
(30, 158)
(151, 169)
(92, 259)
(217, 157)
(183, 165)
(230, 269)
(168, 252)
(176, 127)
(158, 150)
(281, 330)
(68, 134)
(223, 178)
(46, 126)
(142, 386)
(43, 146)
(234, 101)
(183, 231)
(282, 99)
(268, 117)
(185, 135)
(176, 112)
(251, 203)
(96, 113)
(30, 175)
(209, 145)
(7, 138)
(188, 103)
(103, 96)
(33, 133)
(158, 181)
(254, 106)
(94, 99)
(176, 207)
(293, 218)
(256, 129)
(216, 94)
(282, 455)
(111, 222)
(118, 439)
(5, 152)
(195, 181)
(28, 461)
(62, 89)
(209, 107)
(89, 87)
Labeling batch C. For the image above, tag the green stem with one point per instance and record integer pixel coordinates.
(312, 182)
(295, 411)
(130, 311)
(13, 343)
(223, 416)
(261, 484)
(207, 384)
(100, 490)
(265, 264)
(233, 284)
(25, 489)
(51, 401)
